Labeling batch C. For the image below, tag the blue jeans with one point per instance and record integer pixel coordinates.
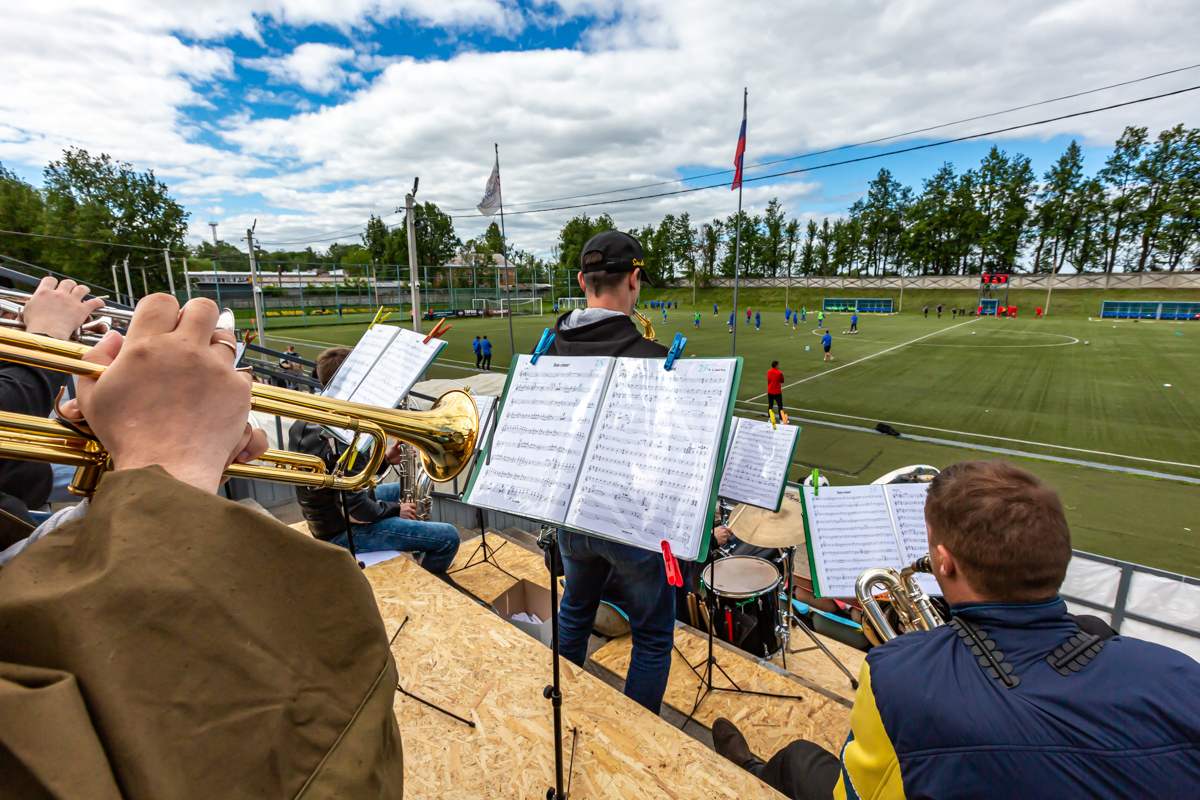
(437, 540)
(648, 600)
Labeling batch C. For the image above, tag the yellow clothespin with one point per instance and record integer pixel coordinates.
(377, 313)
(771, 414)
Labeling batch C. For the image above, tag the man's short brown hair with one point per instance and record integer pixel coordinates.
(328, 363)
(1005, 528)
(599, 283)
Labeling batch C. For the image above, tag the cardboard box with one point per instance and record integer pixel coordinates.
(529, 598)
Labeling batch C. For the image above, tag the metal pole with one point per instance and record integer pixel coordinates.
(145, 285)
(116, 283)
(300, 286)
(901, 309)
(1049, 288)
(504, 247)
(170, 277)
(256, 288)
(129, 283)
(409, 202)
(737, 247)
(337, 301)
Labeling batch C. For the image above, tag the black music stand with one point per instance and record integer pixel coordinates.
(406, 693)
(548, 541)
(489, 552)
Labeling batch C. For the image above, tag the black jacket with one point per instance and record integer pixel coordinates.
(26, 484)
(611, 336)
(322, 508)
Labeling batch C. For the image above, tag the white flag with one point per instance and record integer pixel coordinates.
(491, 193)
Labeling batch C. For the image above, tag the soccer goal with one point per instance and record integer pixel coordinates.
(485, 304)
(862, 305)
(571, 303)
(526, 305)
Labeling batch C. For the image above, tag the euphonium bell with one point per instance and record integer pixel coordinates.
(445, 435)
(912, 606)
(647, 328)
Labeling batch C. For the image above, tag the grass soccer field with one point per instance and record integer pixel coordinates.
(957, 390)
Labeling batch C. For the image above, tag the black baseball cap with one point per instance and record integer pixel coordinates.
(622, 253)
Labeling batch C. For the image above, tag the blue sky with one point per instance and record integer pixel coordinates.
(311, 117)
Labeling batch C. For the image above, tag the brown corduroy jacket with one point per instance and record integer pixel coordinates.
(173, 644)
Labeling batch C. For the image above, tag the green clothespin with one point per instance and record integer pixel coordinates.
(816, 483)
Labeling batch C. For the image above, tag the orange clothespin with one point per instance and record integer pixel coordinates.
(783, 417)
(437, 331)
(674, 576)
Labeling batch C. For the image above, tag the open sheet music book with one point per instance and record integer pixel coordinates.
(616, 447)
(854, 528)
(757, 462)
(381, 369)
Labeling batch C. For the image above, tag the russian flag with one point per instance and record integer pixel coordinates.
(741, 152)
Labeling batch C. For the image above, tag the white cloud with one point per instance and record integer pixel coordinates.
(655, 88)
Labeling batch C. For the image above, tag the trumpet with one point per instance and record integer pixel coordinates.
(445, 435)
(912, 607)
(647, 328)
(13, 302)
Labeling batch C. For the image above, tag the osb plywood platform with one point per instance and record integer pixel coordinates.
(485, 581)
(813, 665)
(768, 723)
(454, 653)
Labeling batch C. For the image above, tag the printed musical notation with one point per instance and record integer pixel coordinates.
(651, 463)
(356, 366)
(539, 440)
(756, 466)
(854, 528)
(907, 501)
(397, 369)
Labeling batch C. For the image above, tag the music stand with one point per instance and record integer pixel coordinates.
(489, 552)
(548, 541)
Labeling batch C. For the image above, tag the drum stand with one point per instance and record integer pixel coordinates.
(706, 686)
(789, 616)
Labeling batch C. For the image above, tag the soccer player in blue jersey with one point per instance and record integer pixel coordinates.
(731, 315)
(827, 342)
(757, 320)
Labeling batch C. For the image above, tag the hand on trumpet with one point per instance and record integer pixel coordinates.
(60, 309)
(170, 395)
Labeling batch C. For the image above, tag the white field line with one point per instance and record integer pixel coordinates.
(868, 358)
(316, 343)
(984, 436)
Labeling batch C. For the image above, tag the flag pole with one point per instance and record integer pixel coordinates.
(737, 247)
(504, 246)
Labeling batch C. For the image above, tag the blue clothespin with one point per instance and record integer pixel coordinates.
(676, 350)
(542, 346)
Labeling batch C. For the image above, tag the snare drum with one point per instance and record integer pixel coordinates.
(743, 601)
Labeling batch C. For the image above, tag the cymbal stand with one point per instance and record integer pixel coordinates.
(789, 615)
(548, 541)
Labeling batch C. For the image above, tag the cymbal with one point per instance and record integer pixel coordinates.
(763, 528)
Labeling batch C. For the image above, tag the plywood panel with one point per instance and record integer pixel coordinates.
(813, 665)
(769, 724)
(455, 653)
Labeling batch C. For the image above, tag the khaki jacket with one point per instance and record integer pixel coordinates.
(173, 644)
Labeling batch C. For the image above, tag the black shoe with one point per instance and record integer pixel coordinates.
(730, 744)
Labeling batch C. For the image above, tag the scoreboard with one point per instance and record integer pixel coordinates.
(993, 279)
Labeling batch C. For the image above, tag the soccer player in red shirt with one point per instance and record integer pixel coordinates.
(774, 387)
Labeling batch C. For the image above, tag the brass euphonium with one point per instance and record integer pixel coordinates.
(647, 328)
(445, 435)
(911, 605)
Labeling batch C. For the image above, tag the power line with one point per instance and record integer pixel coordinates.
(940, 143)
(857, 144)
(94, 241)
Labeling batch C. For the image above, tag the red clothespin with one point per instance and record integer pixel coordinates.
(674, 576)
(437, 331)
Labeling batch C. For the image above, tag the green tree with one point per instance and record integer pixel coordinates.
(22, 210)
(1120, 177)
(574, 236)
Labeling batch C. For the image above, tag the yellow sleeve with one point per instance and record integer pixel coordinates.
(870, 769)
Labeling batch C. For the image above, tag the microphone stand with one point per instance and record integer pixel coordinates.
(548, 541)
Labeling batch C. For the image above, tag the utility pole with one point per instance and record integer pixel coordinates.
(170, 277)
(255, 288)
(410, 200)
(129, 283)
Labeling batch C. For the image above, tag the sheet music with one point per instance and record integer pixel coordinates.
(541, 436)
(396, 369)
(756, 465)
(850, 531)
(356, 366)
(907, 501)
(487, 407)
(652, 459)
